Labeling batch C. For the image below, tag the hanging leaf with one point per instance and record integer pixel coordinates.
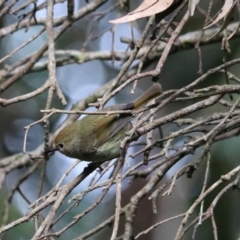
(227, 7)
(146, 9)
(192, 5)
(227, 19)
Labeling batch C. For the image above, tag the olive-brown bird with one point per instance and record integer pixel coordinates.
(98, 137)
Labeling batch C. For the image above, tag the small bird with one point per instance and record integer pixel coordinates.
(97, 138)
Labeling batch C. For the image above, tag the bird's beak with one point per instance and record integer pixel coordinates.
(50, 150)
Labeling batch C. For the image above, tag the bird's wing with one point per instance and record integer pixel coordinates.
(112, 126)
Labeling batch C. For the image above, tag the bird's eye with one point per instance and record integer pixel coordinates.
(60, 145)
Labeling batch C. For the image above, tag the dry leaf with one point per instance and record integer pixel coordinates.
(227, 12)
(227, 7)
(192, 5)
(146, 9)
(226, 21)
